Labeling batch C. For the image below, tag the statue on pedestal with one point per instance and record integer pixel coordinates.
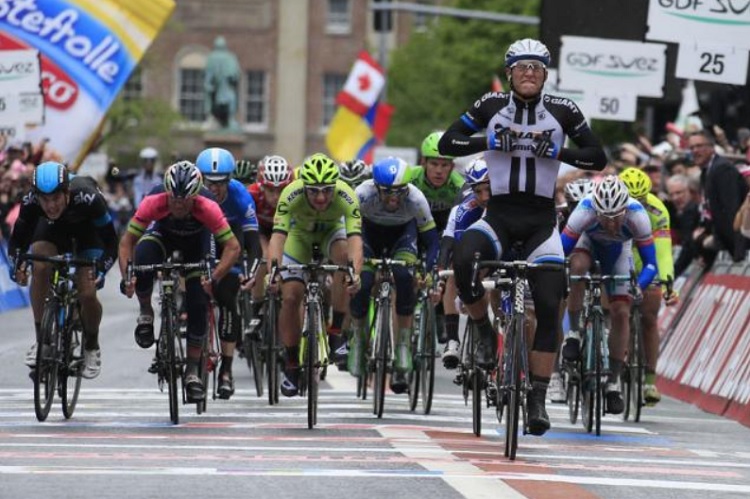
(222, 78)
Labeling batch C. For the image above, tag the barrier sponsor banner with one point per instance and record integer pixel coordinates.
(686, 21)
(669, 316)
(707, 359)
(11, 295)
(598, 65)
(89, 48)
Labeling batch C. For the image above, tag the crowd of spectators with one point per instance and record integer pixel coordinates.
(702, 176)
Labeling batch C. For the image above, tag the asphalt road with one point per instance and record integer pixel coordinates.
(120, 443)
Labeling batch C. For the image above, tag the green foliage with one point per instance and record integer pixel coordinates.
(131, 123)
(439, 73)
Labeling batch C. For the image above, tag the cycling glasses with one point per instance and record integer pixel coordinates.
(533, 66)
(393, 191)
(326, 190)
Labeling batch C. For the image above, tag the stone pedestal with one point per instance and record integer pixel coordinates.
(231, 141)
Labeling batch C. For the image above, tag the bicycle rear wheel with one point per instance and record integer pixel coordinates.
(414, 375)
(382, 341)
(45, 374)
(72, 368)
(427, 374)
(477, 377)
(574, 393)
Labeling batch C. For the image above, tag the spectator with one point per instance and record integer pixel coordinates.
(685, 220)
(723, 191)
(147, 178)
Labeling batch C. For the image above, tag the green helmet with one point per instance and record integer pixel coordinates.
(430, 146)
(319, 169)
(245, 171)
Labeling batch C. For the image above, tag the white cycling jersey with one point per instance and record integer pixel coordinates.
(414, 206)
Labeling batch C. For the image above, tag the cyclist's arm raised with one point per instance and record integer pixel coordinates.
(589, 155)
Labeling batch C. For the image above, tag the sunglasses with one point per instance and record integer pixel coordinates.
(522, 67)
(208, 181)
(393, 191)
(326, 190)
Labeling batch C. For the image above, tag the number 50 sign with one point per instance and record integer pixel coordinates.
(706, 62)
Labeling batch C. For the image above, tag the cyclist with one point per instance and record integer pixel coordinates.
(603, 227)
(524, 143)
(216, 165)
(64, 213)
(273, 176)
(309, 212)
(393, 212)
(574, 192)
(442, 186)
(245, 171)
(354, 172)
(461, 217)
(179, 217)
(639, 187)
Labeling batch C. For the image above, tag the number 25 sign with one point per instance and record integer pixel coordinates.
(707, 62)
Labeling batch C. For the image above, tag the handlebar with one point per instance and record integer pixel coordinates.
(168, 266)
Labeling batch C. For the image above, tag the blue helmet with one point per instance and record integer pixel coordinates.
(215, 164)
(477, 172)
(50, 177)
(390, 172)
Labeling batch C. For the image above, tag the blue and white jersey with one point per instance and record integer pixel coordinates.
(584, 232)
(239, 208)
(414, 207)
(462, 216)
(636, 226)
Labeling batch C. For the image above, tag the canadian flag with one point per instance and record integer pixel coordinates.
(363, 86)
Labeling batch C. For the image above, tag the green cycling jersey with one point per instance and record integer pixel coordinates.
(660, 227)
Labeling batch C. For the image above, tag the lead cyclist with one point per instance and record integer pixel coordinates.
(525, 132)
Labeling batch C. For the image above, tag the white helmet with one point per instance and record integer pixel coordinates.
(610, 196)
(275, 171)
(526, 49)
(149, 153)
(354, 172)
(578, 189)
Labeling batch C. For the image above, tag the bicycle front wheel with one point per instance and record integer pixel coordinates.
(312, 365)
(169, 331)
(72, 368)
(415, 374)
(597, 325)
(428, 330)
(45, 374)
(382, 341)
(514, 391)
(271, 349)
(637, 364)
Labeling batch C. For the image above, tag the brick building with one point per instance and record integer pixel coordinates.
(294, 54)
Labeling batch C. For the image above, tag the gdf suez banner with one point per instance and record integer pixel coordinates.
(620, 66)
(724, 22)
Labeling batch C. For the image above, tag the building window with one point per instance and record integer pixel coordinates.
(192, 94)
(338, 19)
(133, 88)
(332, 85)
(256, 99)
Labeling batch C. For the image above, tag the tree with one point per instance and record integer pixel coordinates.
(440, 72)
(130, 123)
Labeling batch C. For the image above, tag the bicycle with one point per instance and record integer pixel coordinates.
(59, 354)
(170, 361)
(252, 340)
(423, 346)
(313, 351)
(586, 375)
(634, 370)
(512, 375)
(380, 344)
